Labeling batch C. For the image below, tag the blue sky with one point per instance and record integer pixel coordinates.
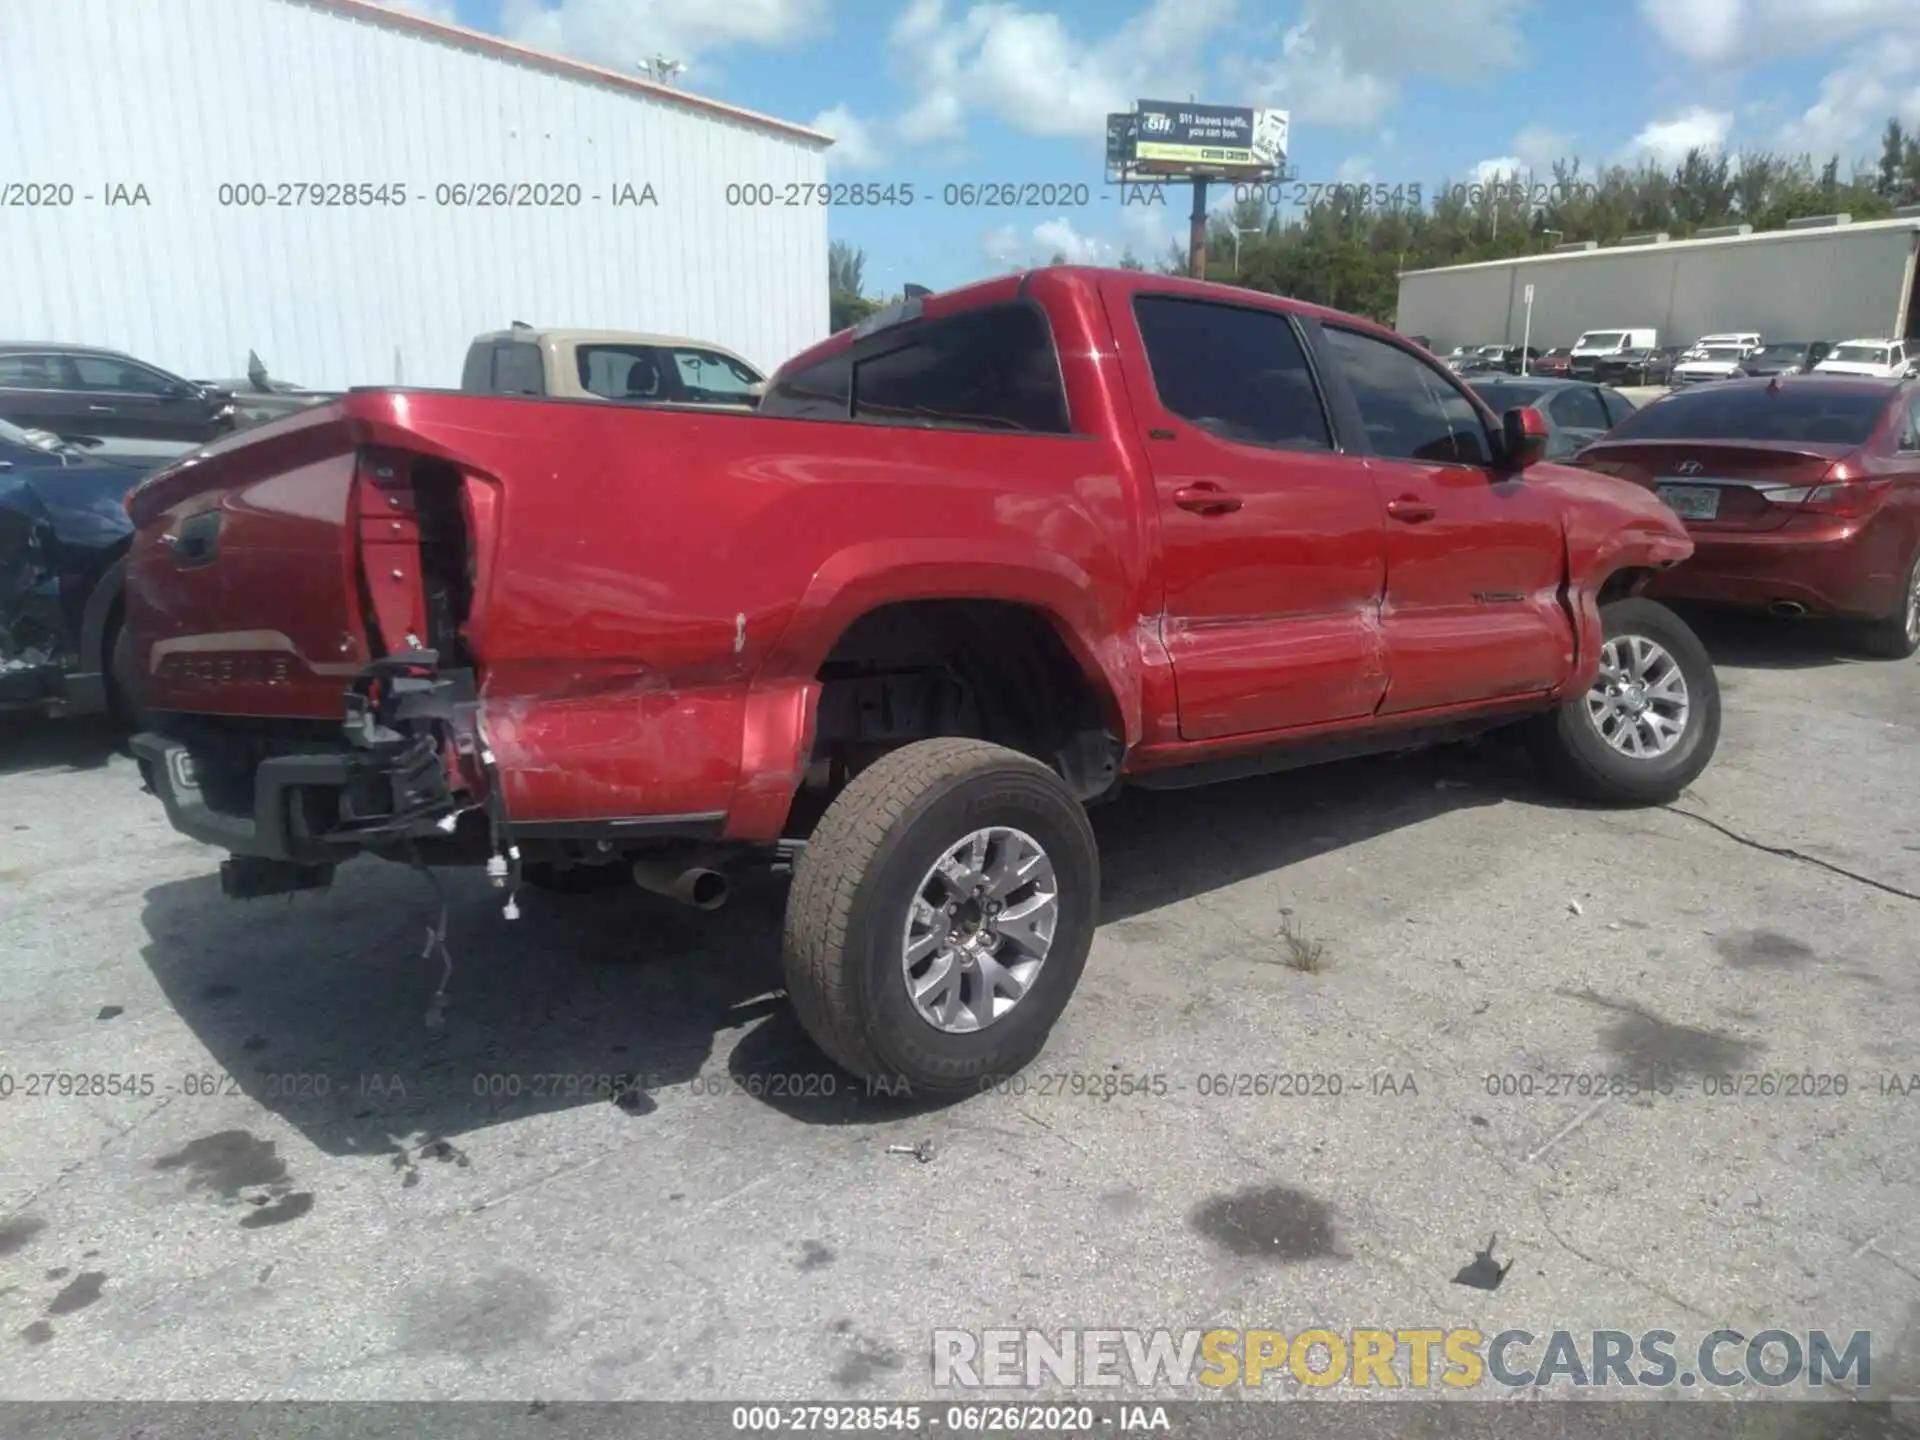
(1390, 92)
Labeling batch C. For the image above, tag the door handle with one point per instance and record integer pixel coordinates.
(1206, 498)
(1410, 510)
(101, 409)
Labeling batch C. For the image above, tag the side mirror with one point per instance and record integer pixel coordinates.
(1526, 435)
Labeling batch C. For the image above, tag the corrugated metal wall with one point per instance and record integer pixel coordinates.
(1818, 285)
(181, 97)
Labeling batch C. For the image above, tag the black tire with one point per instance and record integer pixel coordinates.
(1895, 636)
(1574, 756)
(574, 879)
(854, 885)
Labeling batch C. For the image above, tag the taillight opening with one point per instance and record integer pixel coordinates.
(1843, 499)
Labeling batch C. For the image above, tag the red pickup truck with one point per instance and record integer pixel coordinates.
(974, 564)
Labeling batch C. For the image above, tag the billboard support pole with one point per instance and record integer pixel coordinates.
(1197, 231)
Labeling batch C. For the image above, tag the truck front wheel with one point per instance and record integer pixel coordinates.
(1649, 723)
(940, 917)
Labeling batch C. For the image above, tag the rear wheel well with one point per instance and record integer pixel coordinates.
(1622, 584)
(989, 670)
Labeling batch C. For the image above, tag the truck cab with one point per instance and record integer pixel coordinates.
(618, 365)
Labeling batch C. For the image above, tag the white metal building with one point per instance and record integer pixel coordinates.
(194, 179)
(1828, 282)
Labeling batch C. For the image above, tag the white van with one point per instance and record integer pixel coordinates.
(1596, 345)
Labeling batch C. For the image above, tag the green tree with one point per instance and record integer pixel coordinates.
(1130, 261)
(847, 302)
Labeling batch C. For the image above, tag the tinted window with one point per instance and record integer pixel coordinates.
(1237, 373)
(1503, 397)
(662, 372)
(820, 392)
(1910, 438)
(1811, 411)
(29, 372)
(1410, 411)
(991, 368)
(517, 370)
(1577, 409)
(101, 372)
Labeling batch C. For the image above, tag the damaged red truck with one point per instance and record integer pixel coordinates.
(974, 565)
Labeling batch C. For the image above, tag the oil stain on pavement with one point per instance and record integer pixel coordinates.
(1641, 1039)
(477, 1317)
(1763, 950)
(80, 1292)
(1270, 1222)
(17, 1232)
(230, 1161)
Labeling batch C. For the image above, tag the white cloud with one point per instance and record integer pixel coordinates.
(854, 147)
(1499, 166)
(1026, 69)
(1856, 99)
(1742, 32)
(1666, 142)
(1538, 147)
(1354, 170)
(1344, 62)
(1007, 248)
(620, 34)
(1058, 237)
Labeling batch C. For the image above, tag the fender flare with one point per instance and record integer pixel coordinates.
(784, 695)
(108, 591)
(863, 578)
(1649, 549)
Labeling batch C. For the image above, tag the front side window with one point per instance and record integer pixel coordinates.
(1409, 409)
(102, 372)
(991, 369)
(1578, 409)
(708, 375)
(1238, 373)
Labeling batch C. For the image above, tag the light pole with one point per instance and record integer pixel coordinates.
(1558, 235)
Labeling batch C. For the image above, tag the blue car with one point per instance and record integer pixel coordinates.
(63, 545)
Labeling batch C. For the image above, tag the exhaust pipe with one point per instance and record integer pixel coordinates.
(694, 885)
(1787, 609)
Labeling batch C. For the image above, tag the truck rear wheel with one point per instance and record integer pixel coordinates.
(1649, 723)
(940, 916)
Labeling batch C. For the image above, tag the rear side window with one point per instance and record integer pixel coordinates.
(1411, 412)
(823, 391)
(993, 368)
(1577, 409)
(1618, 406)
(1236, 372)
(517, 370)
(29, 372)
(1810, 413)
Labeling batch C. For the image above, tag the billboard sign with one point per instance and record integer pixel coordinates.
(1182, 138)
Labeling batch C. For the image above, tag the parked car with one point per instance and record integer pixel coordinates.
(1463, 359)
(1786, 357)
(610, 365)
(893, 622)
(76, 390)
(1578, 412)
(1592, 347)
(1714, 357)
(1802, 495)
(63, 540)
(1886, 359)
(1642, 365)
(1556, 363)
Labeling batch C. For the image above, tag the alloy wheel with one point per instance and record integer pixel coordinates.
(1639, 702)
(978, 933)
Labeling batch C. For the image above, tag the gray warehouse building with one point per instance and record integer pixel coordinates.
(1831, 281)
(355, 192)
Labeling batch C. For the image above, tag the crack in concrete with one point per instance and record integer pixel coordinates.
(1787, 852)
